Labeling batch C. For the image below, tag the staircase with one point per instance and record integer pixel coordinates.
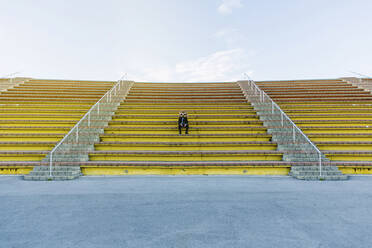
(308, 163)
(311, 172)
(224, 131)
(227, 134)
(8, 83)
(363, 83)
(334, 114)
(35, 115)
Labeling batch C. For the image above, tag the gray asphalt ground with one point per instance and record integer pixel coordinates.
(184, 211)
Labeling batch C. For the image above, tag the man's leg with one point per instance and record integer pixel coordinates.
(179, 129)
(187, 129)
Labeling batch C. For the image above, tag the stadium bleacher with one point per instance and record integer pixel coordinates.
(223, 128)
(334, 114)
(36, 114)
(226, 136)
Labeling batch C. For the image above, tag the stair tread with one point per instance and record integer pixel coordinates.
(265, 163)
(191, 128)
(189, 135)
(24, 152)
(26, 142)
(186, 143)
(187, 152)
(191, 122)
(343, 142)
(346, 152)
(190, 116)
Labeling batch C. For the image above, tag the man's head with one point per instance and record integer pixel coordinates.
(183, 114)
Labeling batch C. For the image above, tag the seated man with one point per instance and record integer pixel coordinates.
(183, 122)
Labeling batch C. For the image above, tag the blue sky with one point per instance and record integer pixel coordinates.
(185, 40)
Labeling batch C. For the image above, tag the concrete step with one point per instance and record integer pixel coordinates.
(316, 173)
(327, 111)
(33, 130)
(70, 168)
(37, 111)
(191, 123)
(37, 90)
(185, 155)
(54, 173)
(159, 130)
(345, 145)
(195, 128)
(324, 99)
(27, 146)
(46, 100)
(26, 116)
(46, 106)
(171, 101)
(299, 168)
(189, 137)
(191, 118)
(48, 178)
(179, 146)
(42, 173)
(332, 90)
(49, 95)
(185, 106)
(185, 92)
(322, 178)
(190, 111)
(184, 97)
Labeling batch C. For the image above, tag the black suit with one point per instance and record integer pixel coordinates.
(183, 122)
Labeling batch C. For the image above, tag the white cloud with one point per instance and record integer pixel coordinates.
(226, 65)
(227, 6)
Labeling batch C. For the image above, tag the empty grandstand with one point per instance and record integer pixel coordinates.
(36, 114)
(334, 114)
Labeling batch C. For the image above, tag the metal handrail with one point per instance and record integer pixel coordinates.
(11, 76)
(363, 81)
(361, 75)
(109, 95)
(262, 94)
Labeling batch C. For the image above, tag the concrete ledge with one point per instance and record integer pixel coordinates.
(112, 169)
(185, 170)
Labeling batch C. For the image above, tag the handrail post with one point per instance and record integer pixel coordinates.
(320, 164)
(281, 118)
(50, 164)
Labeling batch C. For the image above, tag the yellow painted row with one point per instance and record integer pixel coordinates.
(179, 170)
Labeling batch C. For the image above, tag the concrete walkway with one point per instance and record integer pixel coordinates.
(198, 211)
